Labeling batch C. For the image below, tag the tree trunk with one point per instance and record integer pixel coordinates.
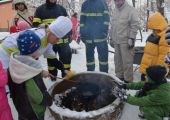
(160, 6)
(133, 1)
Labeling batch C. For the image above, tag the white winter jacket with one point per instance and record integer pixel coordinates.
(9, 45)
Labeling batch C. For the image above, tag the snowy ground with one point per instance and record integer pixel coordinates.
(78, 64)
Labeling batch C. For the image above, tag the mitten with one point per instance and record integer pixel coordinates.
(13, 29)
(69, 74)
(153, 39)
(123, 86)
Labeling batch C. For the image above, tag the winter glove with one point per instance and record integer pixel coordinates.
(167, 58)
(123, 86)
(168, 36)
(131, 43)
(153, 39)
(121, 94)
(69, 74)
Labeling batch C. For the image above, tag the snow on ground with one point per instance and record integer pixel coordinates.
(79, 65)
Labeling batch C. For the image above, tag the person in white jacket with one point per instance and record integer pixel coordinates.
(48, 35)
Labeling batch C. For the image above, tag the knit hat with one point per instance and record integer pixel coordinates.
(156, 72)
(61, 26)
(28, 42)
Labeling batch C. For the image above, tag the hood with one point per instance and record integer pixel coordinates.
(157, 21)
(49, 4)
(18, 1)
(23, 68)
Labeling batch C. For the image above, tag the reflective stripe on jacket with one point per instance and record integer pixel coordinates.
(45, 14)
(94, 20)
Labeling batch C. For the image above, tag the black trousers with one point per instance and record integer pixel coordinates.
(64, 52)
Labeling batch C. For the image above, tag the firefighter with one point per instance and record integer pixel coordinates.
(94, 22)
(45, 14)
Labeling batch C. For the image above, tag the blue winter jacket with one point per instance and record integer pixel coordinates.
(94, 20)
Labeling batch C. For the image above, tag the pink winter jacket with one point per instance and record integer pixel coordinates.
(5, 111)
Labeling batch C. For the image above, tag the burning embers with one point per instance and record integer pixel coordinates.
(86, 95)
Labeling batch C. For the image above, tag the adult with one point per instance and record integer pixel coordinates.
(45, 14)
(124, 29)
(94, 21)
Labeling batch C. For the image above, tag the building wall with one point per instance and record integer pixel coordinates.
(6, 12)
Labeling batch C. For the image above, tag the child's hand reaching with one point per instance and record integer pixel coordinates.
(46, 74)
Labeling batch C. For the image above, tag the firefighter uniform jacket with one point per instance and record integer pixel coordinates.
(94, 20)
(45, 14)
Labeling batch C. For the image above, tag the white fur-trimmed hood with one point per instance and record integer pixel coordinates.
(23, 68)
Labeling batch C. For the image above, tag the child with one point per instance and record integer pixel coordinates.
(48, 35)
(27, 88)
(156, 46)
(23, 15)
(153, 97)
(5, 111)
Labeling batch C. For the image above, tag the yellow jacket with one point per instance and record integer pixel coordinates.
(154, 53)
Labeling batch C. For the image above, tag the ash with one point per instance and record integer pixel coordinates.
(82, 98)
